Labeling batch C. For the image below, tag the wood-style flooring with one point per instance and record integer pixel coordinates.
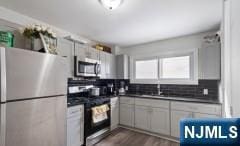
(125, 137)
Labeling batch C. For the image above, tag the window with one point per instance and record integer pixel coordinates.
(146, 69)
(169, 68)
(175, 68)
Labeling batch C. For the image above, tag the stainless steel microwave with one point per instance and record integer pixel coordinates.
(86, 67)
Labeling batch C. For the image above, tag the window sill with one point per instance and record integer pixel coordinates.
(171, 82)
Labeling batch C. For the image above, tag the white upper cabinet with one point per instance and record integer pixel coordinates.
(122, 66)
(108, 65)
(92, 53)
(80, 50)
(65, 48)
(103, 64)
(210, 61)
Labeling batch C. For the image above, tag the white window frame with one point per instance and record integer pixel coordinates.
(193, 80)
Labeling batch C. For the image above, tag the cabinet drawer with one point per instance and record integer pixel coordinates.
(75, 110)
(197, 107)
(127, 100)
(152, 103)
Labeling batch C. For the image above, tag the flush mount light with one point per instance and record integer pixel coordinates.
(111, 4)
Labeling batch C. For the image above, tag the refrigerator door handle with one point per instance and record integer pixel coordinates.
(3, 74)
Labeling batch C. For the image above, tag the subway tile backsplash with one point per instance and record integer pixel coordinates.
(191, 91)
(194, 91)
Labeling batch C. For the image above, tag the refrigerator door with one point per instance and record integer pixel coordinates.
(32, 74)
(38, 122)
(2, 124)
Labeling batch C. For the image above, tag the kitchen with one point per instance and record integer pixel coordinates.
(115, 77)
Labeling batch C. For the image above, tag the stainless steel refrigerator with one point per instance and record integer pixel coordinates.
(33, 98)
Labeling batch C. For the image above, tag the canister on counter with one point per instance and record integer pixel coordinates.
(6, 39)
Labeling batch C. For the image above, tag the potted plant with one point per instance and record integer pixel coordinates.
(41, 38)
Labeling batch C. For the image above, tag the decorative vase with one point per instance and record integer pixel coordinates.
(37, 44)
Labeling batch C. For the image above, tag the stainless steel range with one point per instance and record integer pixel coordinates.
(93, 131)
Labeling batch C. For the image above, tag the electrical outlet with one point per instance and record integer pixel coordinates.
(205, 91)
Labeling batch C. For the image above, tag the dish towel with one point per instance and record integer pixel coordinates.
(99, 113)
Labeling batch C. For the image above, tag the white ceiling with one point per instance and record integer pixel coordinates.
(134, 22)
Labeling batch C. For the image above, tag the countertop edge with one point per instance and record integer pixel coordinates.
(179, 99)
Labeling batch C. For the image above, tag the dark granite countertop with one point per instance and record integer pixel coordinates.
(174, 98)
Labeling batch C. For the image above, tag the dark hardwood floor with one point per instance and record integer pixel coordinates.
(124, 137)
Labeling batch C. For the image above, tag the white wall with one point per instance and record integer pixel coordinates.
(180, 43)
(231, 66)
(20, 20)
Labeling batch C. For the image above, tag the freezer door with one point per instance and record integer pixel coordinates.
(32, 74)
(39, 122)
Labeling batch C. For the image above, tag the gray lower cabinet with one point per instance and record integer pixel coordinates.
(160, 121)
(75, 126)
(162, 116)
(114, 112)
(152, 119)
(182, 110)
(142, 118)
(176, 117)
(65, 48)
(127, 115)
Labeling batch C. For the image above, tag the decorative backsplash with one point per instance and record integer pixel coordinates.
(179, 90)
(193, 91)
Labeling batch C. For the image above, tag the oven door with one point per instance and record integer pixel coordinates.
(86, 68)
(91, 127)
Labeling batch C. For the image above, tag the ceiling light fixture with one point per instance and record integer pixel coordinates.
(111, 4)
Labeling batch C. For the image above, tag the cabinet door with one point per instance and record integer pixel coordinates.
(92, 53)
(82, 129)
(108, 60)
(127, 115)
(122, 67)
(65, 48)
(176, 117)
(103, 64)
(142, 120)
(74, 132)
(114, 116)
(113, 67)
(200, 115)
(210, 61)
(110, 66)
(80, 50)
(160, 121)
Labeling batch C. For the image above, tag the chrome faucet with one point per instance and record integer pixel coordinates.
(159, 89)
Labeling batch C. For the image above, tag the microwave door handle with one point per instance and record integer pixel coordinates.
(97, 69)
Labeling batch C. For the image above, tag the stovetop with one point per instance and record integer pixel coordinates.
(87, 101)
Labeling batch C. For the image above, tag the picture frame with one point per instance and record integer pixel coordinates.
(49, 44)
